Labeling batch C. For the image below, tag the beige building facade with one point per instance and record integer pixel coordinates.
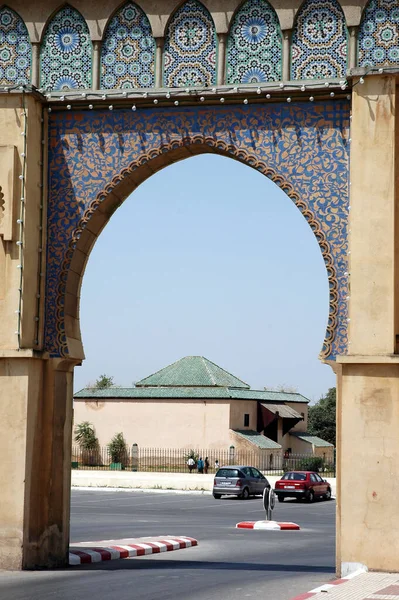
(44, 247)
(195, 404)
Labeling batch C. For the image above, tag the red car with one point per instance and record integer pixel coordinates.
(302, 484)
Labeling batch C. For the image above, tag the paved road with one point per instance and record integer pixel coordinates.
(228, 564)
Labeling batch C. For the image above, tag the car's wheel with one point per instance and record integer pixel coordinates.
(280, 498)
(217, 496)
(327, 495)
(244, 494)
(310, 496)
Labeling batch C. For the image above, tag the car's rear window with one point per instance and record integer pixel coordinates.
(292, 476)
(228, 473)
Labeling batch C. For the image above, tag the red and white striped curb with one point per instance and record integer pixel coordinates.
(328, 586)
(268, 525)
(101, 551)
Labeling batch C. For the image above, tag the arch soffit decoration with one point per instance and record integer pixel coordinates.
(208, 144)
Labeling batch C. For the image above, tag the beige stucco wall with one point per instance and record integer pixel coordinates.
(12, 126)
(160, 424)
(368, 527)
(262, 458)
(238, 408)
(297, 446)
(300, 407)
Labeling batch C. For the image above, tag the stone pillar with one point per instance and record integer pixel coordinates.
(221, 65)
(372, 200)
(368, 377)
(286, 73)
(36, 64)
(96, 65)
(352, 48)
(35, 392)
(35, 444)
(160, 42)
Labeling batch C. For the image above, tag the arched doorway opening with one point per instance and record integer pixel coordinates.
(221, 269)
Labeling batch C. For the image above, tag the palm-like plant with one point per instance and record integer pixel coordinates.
(118, 449)
(85, 436)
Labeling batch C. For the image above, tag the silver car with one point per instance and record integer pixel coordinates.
(238, 480)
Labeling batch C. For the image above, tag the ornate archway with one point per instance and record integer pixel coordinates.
(98, 158)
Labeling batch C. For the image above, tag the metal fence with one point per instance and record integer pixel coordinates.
(174, 460)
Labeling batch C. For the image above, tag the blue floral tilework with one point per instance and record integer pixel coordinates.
(190, 47)
(15, 49)
(128, 51)
(66, 52)
(320, 41)
(302, 148)
(254, 45)
(378, 43)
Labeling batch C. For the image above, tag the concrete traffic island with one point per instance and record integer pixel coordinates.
(269, 503)
(93, 552)
(268, 525)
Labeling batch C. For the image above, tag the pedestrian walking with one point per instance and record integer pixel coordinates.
(200, 465)
(216, 465)
(206, 465)
(191, 464)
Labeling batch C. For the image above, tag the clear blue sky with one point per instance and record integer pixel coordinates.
(207, 257)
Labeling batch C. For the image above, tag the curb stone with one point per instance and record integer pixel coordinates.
(146, 490)
(94, 552)
(328, 586)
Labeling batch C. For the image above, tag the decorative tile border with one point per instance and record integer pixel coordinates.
(128, 50)
(378, 43)
(190, 47)
(254, 45)
(319, 47)
(15, 49)
(66, 52)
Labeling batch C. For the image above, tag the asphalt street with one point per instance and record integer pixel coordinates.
(228, 563)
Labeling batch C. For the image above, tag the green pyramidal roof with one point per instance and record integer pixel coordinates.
(192, 371)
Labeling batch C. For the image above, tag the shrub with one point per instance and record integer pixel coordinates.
(191, 454)
(313, 463)
(117, 449)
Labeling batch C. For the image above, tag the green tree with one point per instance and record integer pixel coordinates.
(322, 417)
(85, 436)
(104, 382)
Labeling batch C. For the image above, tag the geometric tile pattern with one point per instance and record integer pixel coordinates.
(128, 50)
(378, 42)
(320, 41)
(190, 47)
(274, 139)
(254, 45)
(15, 49)
(66, 52)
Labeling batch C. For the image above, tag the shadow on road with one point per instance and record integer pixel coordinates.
(126, 564)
